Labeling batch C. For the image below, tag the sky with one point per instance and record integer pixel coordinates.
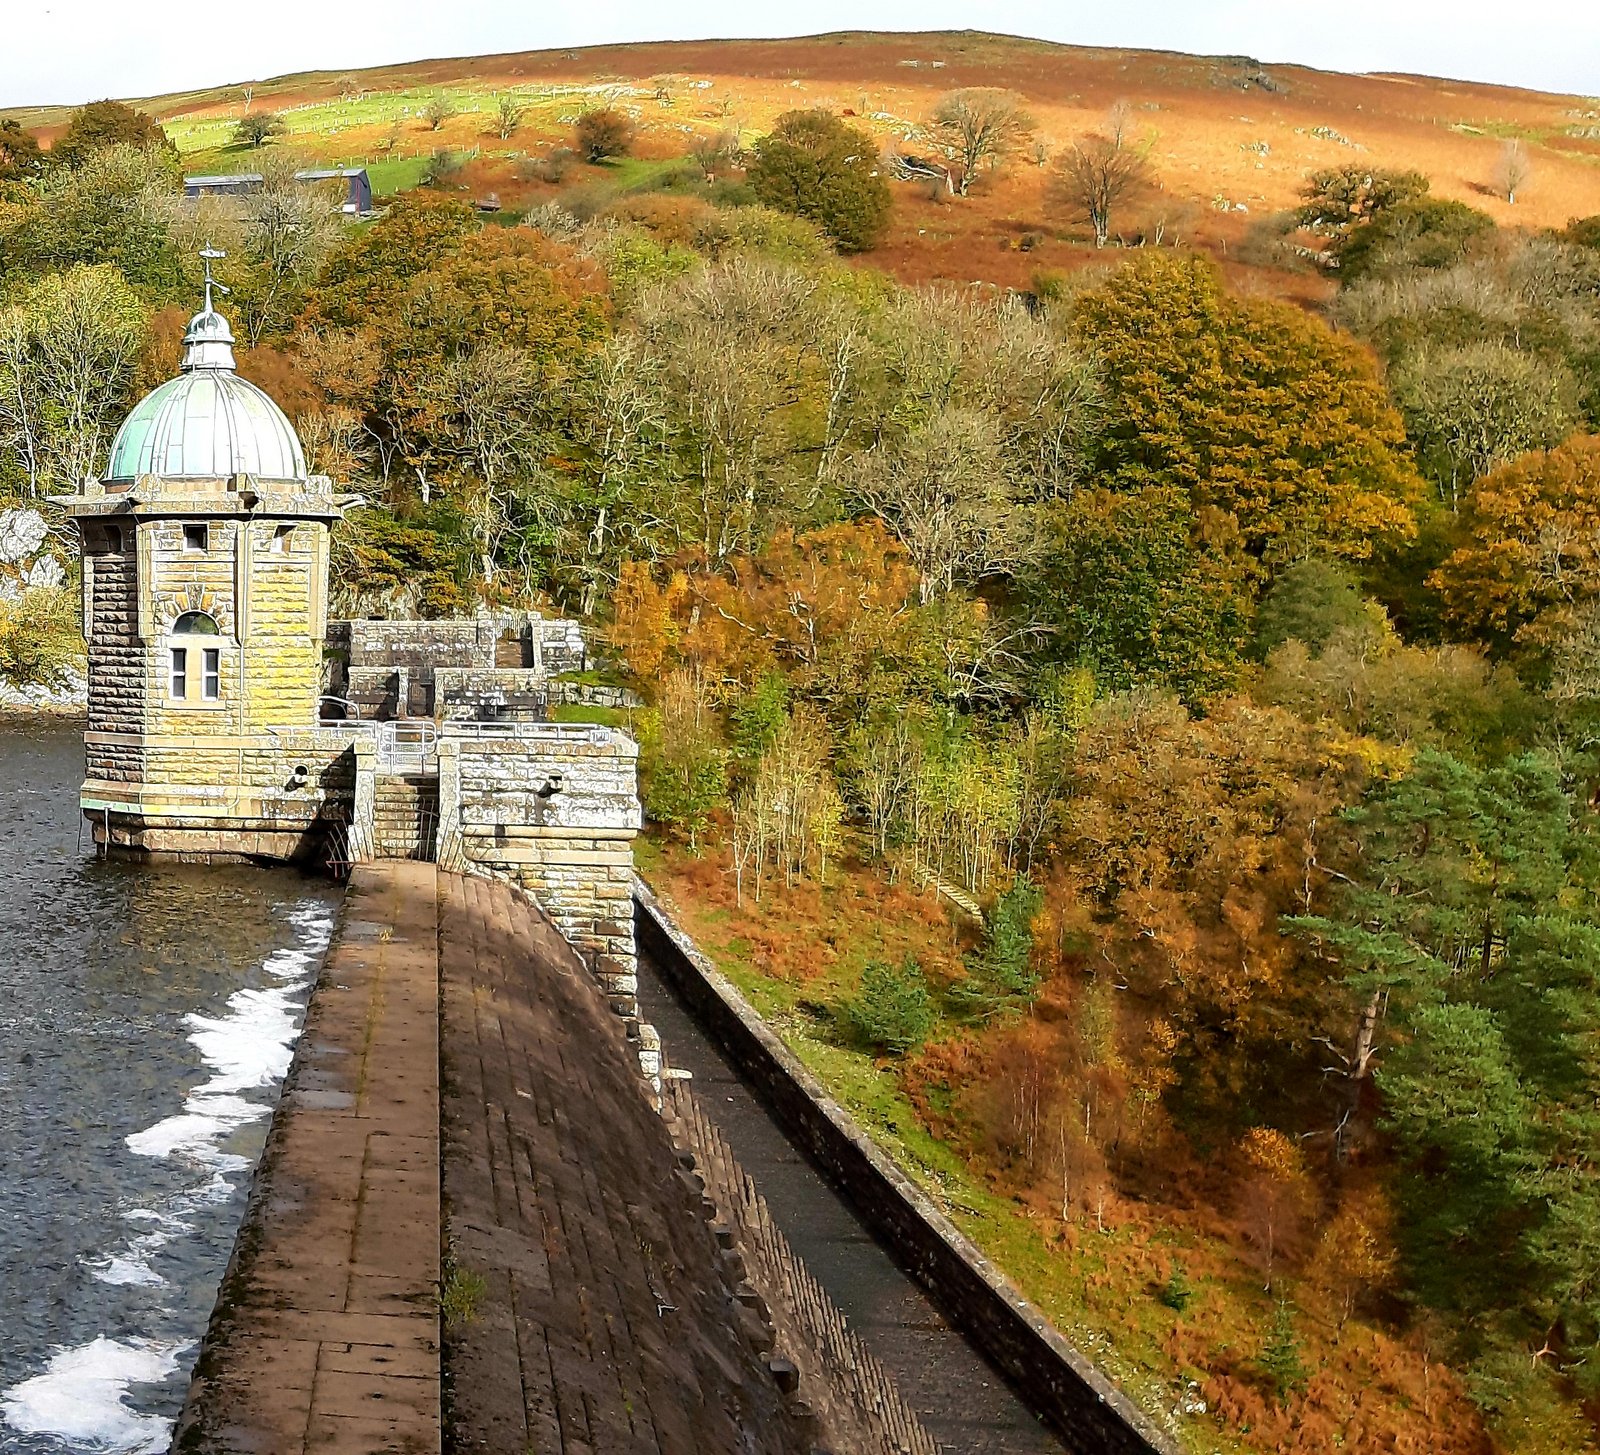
(76, 50)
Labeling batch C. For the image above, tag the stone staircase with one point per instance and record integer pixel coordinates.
(405, 816)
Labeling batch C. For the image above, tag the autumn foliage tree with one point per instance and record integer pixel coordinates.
(1249, 407)
(1529, 567)
(602, 134)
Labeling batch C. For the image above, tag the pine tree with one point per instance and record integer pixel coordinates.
(1279, 1358)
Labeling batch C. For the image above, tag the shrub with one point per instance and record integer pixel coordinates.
(1424, 232)
(552, 168)
(1585, 231)
(816, 166)
(603, 134)
(39, 637)
(893, 1012)
(445, 168)
(1177, 1293)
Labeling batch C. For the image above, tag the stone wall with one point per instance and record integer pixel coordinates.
(489, 694)
(1092, 1416)
(555, 645)
(423, 645)
(111, 626)
(594, 694)
(279, 796)
(555, 809)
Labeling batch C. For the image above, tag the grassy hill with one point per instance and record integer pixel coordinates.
(1230, 139)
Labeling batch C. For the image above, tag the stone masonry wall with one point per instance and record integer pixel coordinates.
(488, 693)
(223, 799)
(555, 809)
(111, 621)
(423, 645)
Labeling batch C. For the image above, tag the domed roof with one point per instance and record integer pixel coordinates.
(208, 423)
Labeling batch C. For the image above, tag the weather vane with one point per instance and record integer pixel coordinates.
(208, 253)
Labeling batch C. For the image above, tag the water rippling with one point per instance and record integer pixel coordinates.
(147, 1016)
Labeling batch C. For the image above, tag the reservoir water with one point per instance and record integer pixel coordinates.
(147, 1016)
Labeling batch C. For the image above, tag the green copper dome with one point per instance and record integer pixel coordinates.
(208, 423)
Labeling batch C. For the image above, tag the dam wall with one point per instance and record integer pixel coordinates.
(1092, 1416)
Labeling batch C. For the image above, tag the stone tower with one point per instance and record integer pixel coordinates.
(205, 569)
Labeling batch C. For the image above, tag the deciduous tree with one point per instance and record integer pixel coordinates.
(602, 134)
(438, 109)
(257, 128)
(508, 114)
(20, 156)
(1479, 406)
(1531, 559)
(1099, 173)
(68, 346)
(1341, 200)
(816, 166)
(1513, 169)
(977, 125)
(1251, 408)
(944, 494)
(103, 124)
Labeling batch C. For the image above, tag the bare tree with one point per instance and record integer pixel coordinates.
(290, 227)
(485, 406)
(735, 346)
(1100, 171)
(977, 125)
(1513, 169)
(508, 114)
(944, 494)
(716, 153)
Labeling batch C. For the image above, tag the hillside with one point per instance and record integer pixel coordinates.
(1239, 659)
(1230, 140)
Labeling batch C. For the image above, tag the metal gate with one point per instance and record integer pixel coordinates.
(407, 745)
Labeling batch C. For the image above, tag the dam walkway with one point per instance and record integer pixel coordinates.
(470, 1229)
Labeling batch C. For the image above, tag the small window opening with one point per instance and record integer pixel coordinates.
(211, 677)
(280, 539)
(196, 624)
(194, 537)
(114, 540)
(180, 672)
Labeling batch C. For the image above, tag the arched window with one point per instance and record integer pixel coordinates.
(206, 664)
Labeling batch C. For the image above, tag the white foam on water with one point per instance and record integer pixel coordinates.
(82, 1396)
(247, 1048)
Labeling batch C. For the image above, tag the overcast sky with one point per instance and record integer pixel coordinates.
(76, 50)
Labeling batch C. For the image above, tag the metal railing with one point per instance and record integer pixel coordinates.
(407, 745)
